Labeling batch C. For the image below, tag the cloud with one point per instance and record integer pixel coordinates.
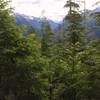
(29, 2)
(25, 2)
(54, 9)
(35, 7)
(36, 2)
(57, 0)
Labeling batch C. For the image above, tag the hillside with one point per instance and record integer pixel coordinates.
(35, 23)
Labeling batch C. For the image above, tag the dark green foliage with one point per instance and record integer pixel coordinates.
(20, 61)
(48, 69)
(47, 39)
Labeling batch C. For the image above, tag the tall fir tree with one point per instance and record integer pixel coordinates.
(20, 61)
(74, 47)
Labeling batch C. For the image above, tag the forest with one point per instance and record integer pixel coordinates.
(53, 67)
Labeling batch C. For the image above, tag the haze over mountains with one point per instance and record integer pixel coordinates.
(35, 22)
(32, 21)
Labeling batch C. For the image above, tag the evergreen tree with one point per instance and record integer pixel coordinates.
(20, 61)
(47, 37)
(46, 46)
(48, 69)
(74, 46)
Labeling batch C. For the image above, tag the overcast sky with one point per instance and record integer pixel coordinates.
(52, 9)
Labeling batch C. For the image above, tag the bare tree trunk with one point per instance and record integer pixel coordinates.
(70, 11)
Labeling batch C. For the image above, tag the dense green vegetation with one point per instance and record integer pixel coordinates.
(49, 68)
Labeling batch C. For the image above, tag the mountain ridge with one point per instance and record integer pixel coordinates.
(35, 22)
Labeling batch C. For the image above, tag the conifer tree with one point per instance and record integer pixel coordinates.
(92, 60)
(46, 44)
(20, 61)
(47, 36)
(74, 47)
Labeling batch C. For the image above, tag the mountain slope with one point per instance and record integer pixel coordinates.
(34, 23)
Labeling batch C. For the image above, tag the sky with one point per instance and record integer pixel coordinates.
(52, 9)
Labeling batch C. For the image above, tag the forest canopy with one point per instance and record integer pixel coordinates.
(54, 67)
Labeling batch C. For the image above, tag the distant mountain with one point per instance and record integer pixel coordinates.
(90, 23)
(96, 10)
(34, 23)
